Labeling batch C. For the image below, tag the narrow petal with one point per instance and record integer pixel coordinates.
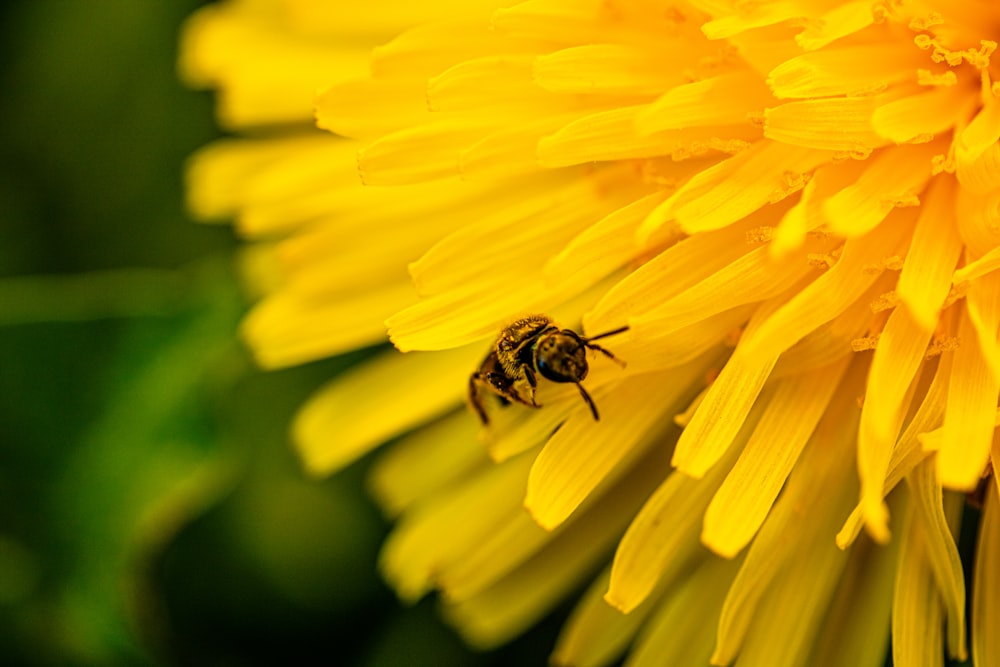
(986, 595)
(764, 614)
(487, 82)
(745, 498)
(726, 99)
(978, 268)
(611, 135)
(720, 195)
(663, 538)
(923, 115)
(983, 302)
(893, 178)
(850, 70)
(839, 21)
(934, 251)
(840, 124)
(520, 599)
(968, 420)
(908, 451)
(583, 453)
(369, 108)
(682, 631)
(856, 630)
(426, 461)
(368, 405)
(897, 359)
(917, 614)
(617, 69)
(940, 549)
(289, 328)
(444, 527)
(418, 154)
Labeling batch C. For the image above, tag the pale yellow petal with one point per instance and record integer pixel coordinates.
(288, 328)
(893, 178)
(968, 419)
(426, 461)
(500, 83)
(740, 506)
(939, 547)
(510, 150)
(934, 250)
(583, 453)
(986, 594)
(371, 403)
(765, 173)
(417, 154)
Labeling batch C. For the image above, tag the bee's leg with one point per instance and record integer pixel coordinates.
(476, 400)
(606, 353)
(529, 374)
(589, 400)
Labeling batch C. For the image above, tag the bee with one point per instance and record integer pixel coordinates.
(534, 344)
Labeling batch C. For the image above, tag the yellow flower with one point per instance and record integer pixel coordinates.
(792, 205)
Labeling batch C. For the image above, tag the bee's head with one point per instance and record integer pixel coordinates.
(561, 356)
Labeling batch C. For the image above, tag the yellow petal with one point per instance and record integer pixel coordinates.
(900, 352)
(744, 499)
(856, 630)
(417, 154)
(368, 405)
(583, 453)
(982, 266)
(494, 82)
(682, 631)
(917, 615)
(369, 108)
(783, 585)
(756, 15)
(934, 250)
(986, 594)
(921, 116)
(940, 549)
(968, 420)
(517, 601)
(596, 634)
(662, 538)
(440, 530)
(829, 124)
(833, 292)
(732, 189)
(726, 99)
(908, 451)
(288, 327)
(426, 461)
(850, 70)
(983, 302)
(617, 69)
(612, 135)
(840, 20)
(893, 178)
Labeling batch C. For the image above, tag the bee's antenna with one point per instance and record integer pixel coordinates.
(608, 333)
(589, 400)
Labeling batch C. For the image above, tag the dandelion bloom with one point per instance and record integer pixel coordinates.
(794, 207)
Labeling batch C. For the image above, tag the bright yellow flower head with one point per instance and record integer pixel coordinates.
(792, 206)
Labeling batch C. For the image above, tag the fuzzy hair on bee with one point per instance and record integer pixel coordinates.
(529, 347)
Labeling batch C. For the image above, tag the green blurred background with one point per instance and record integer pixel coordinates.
(151, 511)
